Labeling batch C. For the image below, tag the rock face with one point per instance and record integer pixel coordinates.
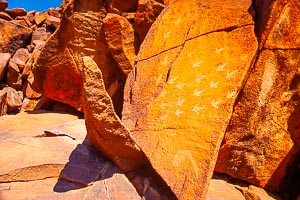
(57, 71)
(119, 36)
(105, 130)
(179, 98)
(12, 36)
(264, 121)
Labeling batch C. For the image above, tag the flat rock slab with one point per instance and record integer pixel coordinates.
(31, 123)
(179, 98)
(74, 129)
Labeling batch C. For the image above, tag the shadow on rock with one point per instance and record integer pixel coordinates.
(86, 166)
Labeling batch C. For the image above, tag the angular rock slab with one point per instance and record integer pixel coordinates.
(179, 97)
(104, 128)
(12, 36)
(263, 122)
(57, 73)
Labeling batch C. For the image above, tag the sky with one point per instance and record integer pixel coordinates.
(37, 5)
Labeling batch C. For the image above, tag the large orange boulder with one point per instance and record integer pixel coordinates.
(260, 145)
(180, 95)
(57, 72)
(105, 129)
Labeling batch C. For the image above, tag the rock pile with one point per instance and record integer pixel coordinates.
(23, 35)
(189, 104)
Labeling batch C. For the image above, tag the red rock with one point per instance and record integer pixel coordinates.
(5, 16)
(13, 76)
(258, 122)
(179, 97)
(38, 46)
(3, 5)
(119, 6)
(105, 130)
(53, 22)
(40, 34)
(12, 36)
(29, 92)
(55, 12)
(15, 12)
(40, 17)
(29, 104)
(20, 58)
(3, 102)
(4, 59)
(11, 98)
(57, 73)
(27, 69)
(146, 14)
(119, 36)
(265, 117)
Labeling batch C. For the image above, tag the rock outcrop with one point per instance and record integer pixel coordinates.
(195, 100)
(179, 97)
(259, 145)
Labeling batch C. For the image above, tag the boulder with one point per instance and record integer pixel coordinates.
(16, 12)
(4, 59)
(146, 14)
(12, 36)
(40, 17)
(41, 34)
(3, 103)
(104, 128)
(119, 36)
(20, 58)
(38, 46)
(180, 95)
(3, 5)
(265, 117)
(57, 73)
(53, 22)
(29, 92)
(14, 76)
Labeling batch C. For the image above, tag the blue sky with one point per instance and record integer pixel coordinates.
(37, 5)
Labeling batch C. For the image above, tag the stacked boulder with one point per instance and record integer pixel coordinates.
(23, 35)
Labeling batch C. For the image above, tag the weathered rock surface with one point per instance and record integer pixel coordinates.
(265, 115)
(58, 69)
(16, 12)
(40, 17)
(12, 36)
(53, 22)
(4, 59)
(55, 167)
(3, 5)
(146, 14)
(119, 36)
(105, 129)
(179, 98)
(119, 6)
(14, 76)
